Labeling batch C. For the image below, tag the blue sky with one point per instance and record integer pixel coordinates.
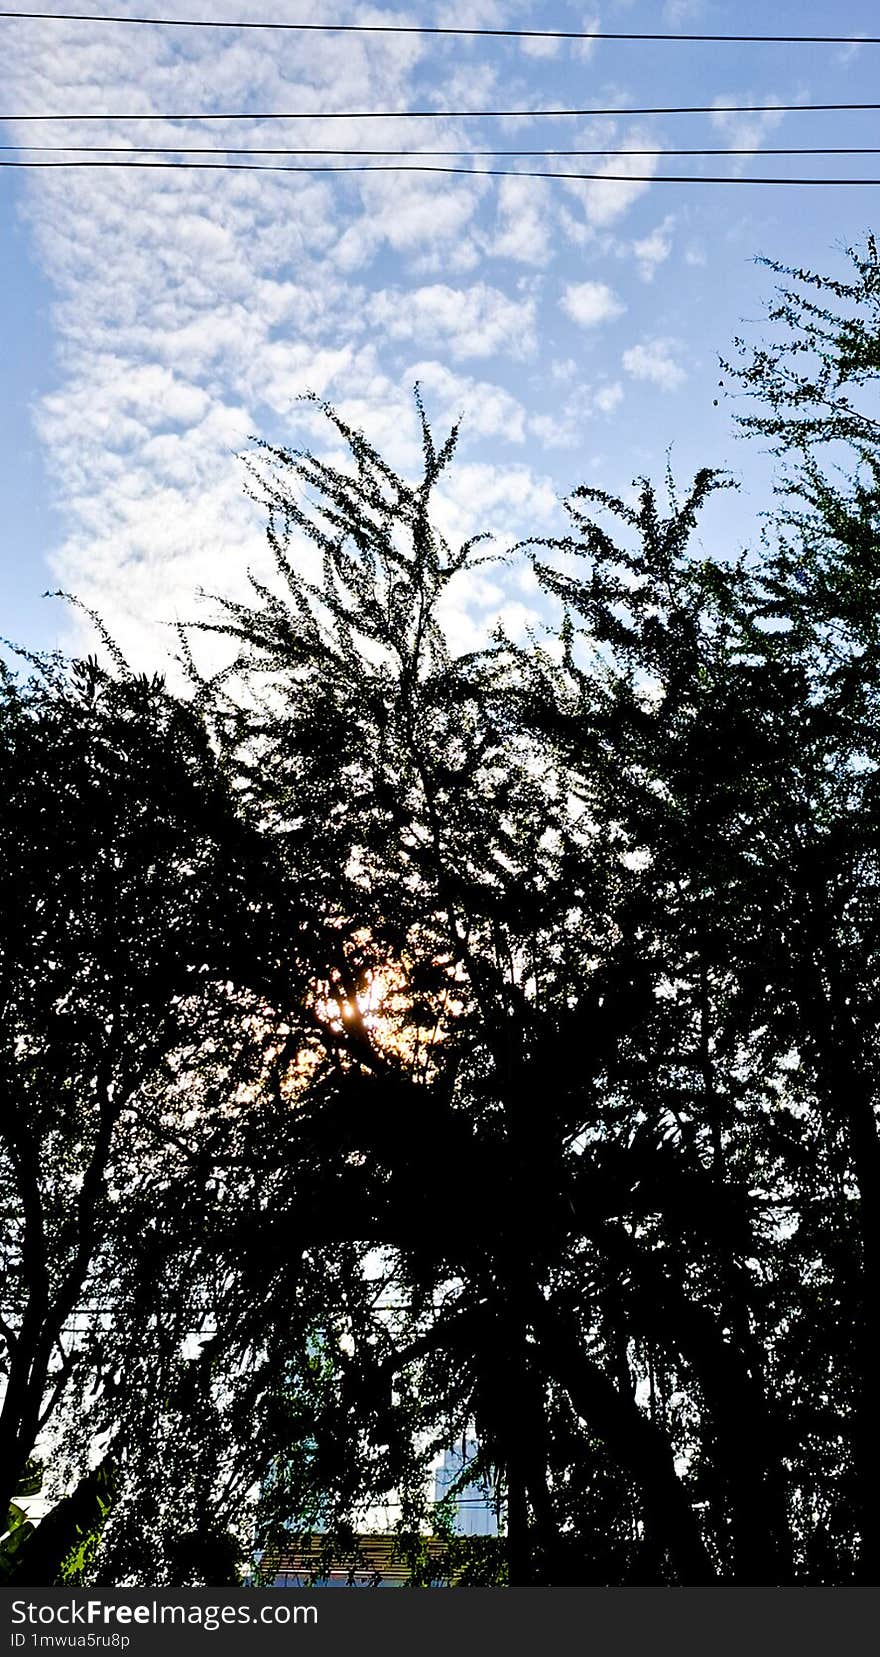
(152, 323)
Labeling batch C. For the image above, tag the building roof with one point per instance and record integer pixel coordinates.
(374, 1561)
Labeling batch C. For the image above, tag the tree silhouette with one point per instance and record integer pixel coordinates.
(138, 917)
(813, 395)
(450, 856)
(603, 853)
(413, 1042)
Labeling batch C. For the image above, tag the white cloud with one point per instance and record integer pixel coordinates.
(466, 86)
(653, 360)
(563, 369)
(439, 259)
(525, 221)
(487, 410)
(746, 129)
(584, 49)
(546, 48)
(502, 498)
(606, 198)
(285, 369)
(845, 54)
(608, 397)
(408, 213)
(192, 309)
(553, 432)
(564, 429)
(590, 303)
(678, 13)
(478, 321)
(652, 250)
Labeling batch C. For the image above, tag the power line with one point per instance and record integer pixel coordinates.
(227, 149)
(618, 112)
(436, 29)
(466, 172)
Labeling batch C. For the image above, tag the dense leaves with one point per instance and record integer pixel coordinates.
(402, 1043)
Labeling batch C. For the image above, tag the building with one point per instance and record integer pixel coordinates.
(475, 1507)
(385, 1560)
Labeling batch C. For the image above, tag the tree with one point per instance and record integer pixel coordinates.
(434, 827)
(812, 393)
(530, 1080)
(364, 749)
(582, 869)
(133, 911)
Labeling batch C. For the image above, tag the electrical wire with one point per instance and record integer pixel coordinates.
(228, 149)
(619, 112)
(466, 172)
(442, 29)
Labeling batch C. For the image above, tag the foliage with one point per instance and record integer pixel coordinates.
(502, 1027)
(140, 949)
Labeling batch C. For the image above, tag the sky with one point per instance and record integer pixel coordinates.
(155, 323)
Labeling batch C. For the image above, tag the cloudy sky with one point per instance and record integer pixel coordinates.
(154, 322)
